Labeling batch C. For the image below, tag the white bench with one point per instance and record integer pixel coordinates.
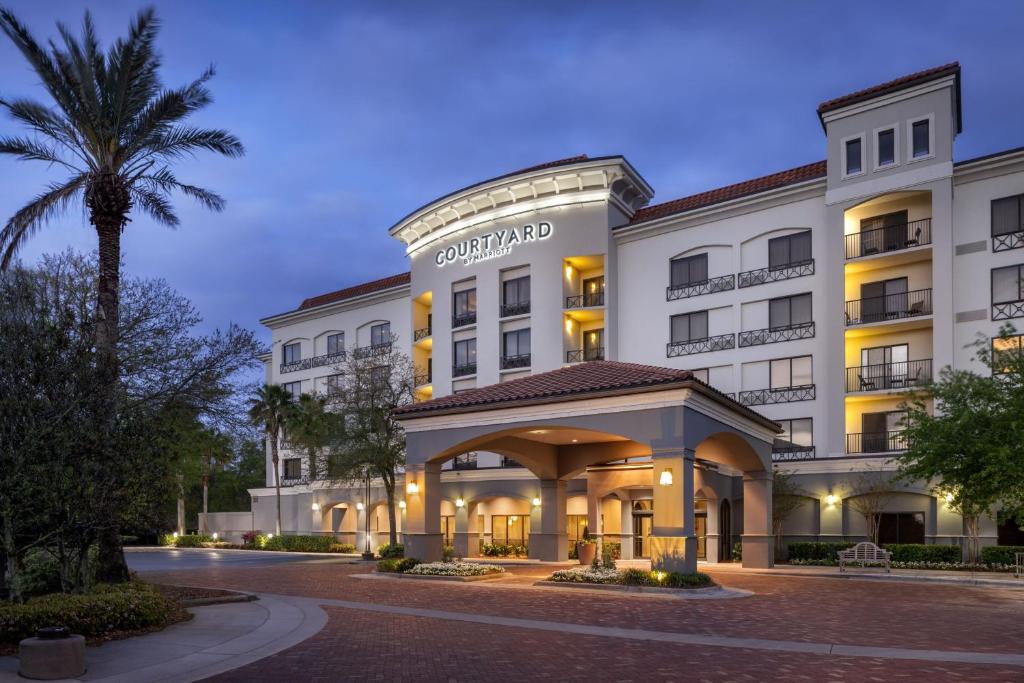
(863, 553)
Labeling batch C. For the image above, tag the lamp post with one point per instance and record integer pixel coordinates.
(367, 554)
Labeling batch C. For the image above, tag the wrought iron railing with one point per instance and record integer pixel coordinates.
(373, 350)
(889, 376)
(465, 461)
(509, 462)
(519, 308)
(722, 283)
(876, 442)
(760, 276)
(581, 355)
(889, 238)
(889, 307)
(585, 300)
(463, 370)
(1007, 241)
(313, 362)
(520, 361)
(685, 348)
(422, 378)
(1007, 310)
(772, 335)
(764, 397)
(791, 453)
(421, 333)
(463, 319)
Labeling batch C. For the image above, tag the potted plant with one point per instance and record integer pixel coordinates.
(586, 549)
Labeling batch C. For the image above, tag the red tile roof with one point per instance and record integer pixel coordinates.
(356, 290)
(723, 194)
(953, 68)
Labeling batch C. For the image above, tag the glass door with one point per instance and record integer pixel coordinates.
(643, 521)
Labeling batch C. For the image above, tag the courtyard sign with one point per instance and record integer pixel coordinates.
(492, 245)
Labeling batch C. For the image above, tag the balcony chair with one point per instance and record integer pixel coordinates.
(914, 241)
(866, 384)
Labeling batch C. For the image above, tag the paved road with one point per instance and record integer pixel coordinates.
(169, 559)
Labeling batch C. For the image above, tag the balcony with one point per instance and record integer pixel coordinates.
(1008, 310)
(716, 284)
(518, 308)
(588, 300)
(764, 397)
(463, 319)
(889, 376)
(1007, 241)
(313, 362)
(583, 355)
(760, 276)
(464, 370)
(876, 442)
(792, 453)
(373, 350)
(889, 238)
(512, 362)
(422, 333)
(889, 307)
(421, 379)
(773, 335)
(686, 348)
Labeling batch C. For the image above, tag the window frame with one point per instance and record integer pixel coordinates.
(787, 424)
(470, 342)
(789, 360)
(876, 135)
(844, 159)
(338, 348)
(1020, 283)
(789, 240)
(295, 462)
(374, 334)
(689, 315)
(1019, 338)
(295, 395)
(930, 119)
(507, 334)
(518, 282)
(1020, 214)
(789, 298)
(285, 348)
(703, 256)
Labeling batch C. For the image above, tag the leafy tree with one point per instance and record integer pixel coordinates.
(115, 130)
(787, 498)
(270, 408)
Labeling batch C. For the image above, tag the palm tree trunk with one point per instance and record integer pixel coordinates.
(206, 499)
(277, 479)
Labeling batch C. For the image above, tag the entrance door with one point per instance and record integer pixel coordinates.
(881, 432)
(725, 532)
(643, 520)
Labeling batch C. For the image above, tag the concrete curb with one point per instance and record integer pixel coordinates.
(946, 579)
(427, 577)
(290, 553)
(705, 593)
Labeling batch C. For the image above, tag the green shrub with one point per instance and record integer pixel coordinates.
(342, 548)
(614, 549)
(637, 577)
(504, 550)
(737, 551)
(125, 607)
(192, 541)
(921, 552)
(447, 553)
(388, 550)
(167, 539)
(407, 563)
(816, 551)
(300, 544)
(1000, 554)
(679, 580)
(388, 565)
(39, 575)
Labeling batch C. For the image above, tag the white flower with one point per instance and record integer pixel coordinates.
(586, 575)
(455, 569)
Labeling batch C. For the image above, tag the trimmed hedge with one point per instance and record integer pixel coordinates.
(300, 544)
(807, 550)
(643, 577)
(126, 607)
(393, 565)
(921, 552)
(388, 550)
(1000, 554)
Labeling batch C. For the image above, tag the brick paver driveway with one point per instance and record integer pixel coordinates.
(370, 645)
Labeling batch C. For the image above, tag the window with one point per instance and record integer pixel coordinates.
(789, 311)
(574, 527)
(335, 344)
(380, 334)
(465, 355)
(690, 270)
(886, 147)
(593, 291)
(464, 307)
(688, 327)
(516, 296)
(516, 343)
(789, 250)
(510, 529)
(465, 461)
(920, 138)
(796, 433)
(854, 163)
(293, 388)
(885, 355)
(884, 299)
(292, 468)
(291, 353)
(448, 529)
(790, 372)
(1006, 351)
(1008, 284)
(593, 344)
(884, 233)
(901, 527)
(334, 384)
(1007, 215)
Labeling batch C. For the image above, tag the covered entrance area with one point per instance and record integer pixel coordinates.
(559, 423)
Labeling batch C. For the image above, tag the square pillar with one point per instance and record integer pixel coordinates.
(673, 541)
(550, 543)
(361, 534)
(758, 541)
(626, 535)
(423, 512)
(713, 536)
(466, 532)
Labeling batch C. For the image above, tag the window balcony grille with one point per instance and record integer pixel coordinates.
(1007, 241)
(1007, 310)
(520, 361)
(889, 376)
(463, 319)
(314, 362)
(422, 379)
(587, 300)
(760, 276)
(519, 308)
(463, 370)
(509, 462)
(686, 348)
(582, 355)
(716, 284)
(773, 335)
(465, 461)
(889, 238)
(421, 333)
(764, 397)
(896, 306)
(792, 453)
(373, 350)
(876, 442)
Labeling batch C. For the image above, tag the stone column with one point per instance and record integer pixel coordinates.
(626, 537)
(361, 529)
(758, 542)
(673, 541)
(423, 512)
(550, 544)
(594, 521)
(712, 534)
(466, 533)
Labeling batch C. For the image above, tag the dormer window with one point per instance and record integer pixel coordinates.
(921, 138)
(854, 162)
(886, 147)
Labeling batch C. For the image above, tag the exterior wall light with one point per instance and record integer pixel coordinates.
(412, 487)
(568, 324)
(459, 503)
(536, 502)
(215, 535)
(831, 499)
(316, 507)
(401, 504)
(949, 498)
(568, 271)
(666, 477)
(270, 536)
(174, 535)
(359, 506)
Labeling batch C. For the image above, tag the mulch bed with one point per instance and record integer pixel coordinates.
(189, 593)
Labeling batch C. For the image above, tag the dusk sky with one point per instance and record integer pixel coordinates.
(354, 114)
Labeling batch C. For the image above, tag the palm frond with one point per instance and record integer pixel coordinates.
(49, 124)
(155, 203)
(163, 111)
(185, 141)
(27, 149)
(133, 69)
(33, 215)
(165, 181)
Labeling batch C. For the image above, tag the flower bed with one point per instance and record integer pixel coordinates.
(631, 577)
(939, 566)
(454, 569)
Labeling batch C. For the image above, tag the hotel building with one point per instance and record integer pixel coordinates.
(816, 296)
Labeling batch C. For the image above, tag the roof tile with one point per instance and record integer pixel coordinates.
(356, 290)
(890, 86)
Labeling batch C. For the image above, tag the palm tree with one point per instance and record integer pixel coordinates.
(270, 408)
(115, 130)
(310, 425)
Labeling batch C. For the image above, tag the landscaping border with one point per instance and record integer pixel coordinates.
(435, 577)
(704, 592)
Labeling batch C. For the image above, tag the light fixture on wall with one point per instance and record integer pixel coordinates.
(568, 271)
(412, 488)
(359, 506)
(174, 535)
(831, 499)
(536, 502)
(401, 504)
(948, 498)
(316, 507)
(215, 535)
(568, 324)
(666, 477)
(270, 536)
(459, 503)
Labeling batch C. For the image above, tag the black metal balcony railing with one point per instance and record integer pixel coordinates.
(581, 355)
(421, 333)
(585, 300)
(889, 238)
(509, 462)
(1007, 241)
(772, 335)
(372, 350)
(889, 376)
(463, 370)
(466, 461)
(520, 361)
(876, 442)
(889, 307)
(764, 397)
(722, 283)
(463, 319)
(791, 453)
(518, 308)
(314, 362)
(1007, 310)
(421, 379)
(685, 348)
(760, 276)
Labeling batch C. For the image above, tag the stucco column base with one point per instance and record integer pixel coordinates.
(424, 547)
(674, 554)
(758, 551)
(462, 544)
(50, 660)
(549, 547)
(712, 547)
